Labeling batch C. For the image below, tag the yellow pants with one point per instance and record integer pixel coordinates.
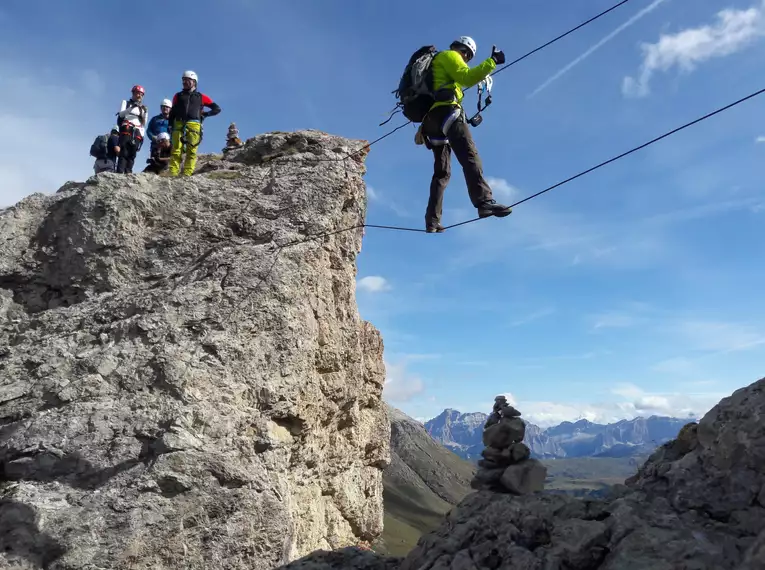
(193, 132)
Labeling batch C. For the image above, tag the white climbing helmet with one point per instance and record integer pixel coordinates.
(190, 74)
(166, 103)
(469, 43)
(163, 137)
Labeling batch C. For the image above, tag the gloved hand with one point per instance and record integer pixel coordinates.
(497, 56)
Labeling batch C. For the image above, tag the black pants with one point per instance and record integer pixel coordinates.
(447, 129)
(129, 147)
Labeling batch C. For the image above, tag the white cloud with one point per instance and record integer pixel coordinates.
(628, 402)
(502, 188)
(760, 139)
(373, 284)
(372, 193)
(400, 385)
(733, 31)
(634, 19)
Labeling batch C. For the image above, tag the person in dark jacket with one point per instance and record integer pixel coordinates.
(160, 154)
(108, 162)
(186, 118)
(159, 123)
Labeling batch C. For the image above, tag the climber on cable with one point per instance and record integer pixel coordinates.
(445, 127)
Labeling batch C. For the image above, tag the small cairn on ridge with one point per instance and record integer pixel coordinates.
(506, 466)
(232, 137)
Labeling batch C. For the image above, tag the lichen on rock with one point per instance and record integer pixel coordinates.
(176, 389)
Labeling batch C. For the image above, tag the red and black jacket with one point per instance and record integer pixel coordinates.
(189, 106)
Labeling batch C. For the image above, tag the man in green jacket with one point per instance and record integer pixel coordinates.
(445, 128)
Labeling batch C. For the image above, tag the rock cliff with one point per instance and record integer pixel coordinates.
(176, 389)
(697, 504)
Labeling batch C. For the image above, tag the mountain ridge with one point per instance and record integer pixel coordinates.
(461, 433)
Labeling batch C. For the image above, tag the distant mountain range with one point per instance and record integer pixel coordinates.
(461, 433)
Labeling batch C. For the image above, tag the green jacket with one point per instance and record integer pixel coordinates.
(450, 72)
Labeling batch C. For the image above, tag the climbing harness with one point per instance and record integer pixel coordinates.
(184, 140)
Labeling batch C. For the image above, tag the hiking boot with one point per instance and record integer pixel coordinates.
(434, 228)
(491, 208)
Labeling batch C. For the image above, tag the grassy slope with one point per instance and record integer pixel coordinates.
(422, 483)
(579, 475)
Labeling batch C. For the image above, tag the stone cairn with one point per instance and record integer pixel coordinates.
(506, 466)
(232, 138)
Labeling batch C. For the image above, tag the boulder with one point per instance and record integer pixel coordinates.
(525, 477)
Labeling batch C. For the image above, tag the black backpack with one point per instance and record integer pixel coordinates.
(99, 148)
(415, 90)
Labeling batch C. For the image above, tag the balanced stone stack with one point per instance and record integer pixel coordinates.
(506, 466)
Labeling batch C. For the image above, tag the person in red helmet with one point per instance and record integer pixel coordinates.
(131, 121)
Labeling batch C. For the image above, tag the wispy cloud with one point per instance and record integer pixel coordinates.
(400, 384)
(380, 198)
(531, 317)
(760, 139)
(678, 366)
(615, 320)
(633, 20)
(717, 336)
(502, 188)
(733, 31)
(373, 284)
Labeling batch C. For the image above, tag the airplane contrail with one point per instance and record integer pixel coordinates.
(650, 8)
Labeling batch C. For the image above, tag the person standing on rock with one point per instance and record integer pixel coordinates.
(186, 116)
(131, 121)
(159, 123)
(445, 128)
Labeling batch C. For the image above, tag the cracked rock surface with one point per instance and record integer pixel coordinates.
(172, 394)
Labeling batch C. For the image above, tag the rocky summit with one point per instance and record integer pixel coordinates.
(185, 381)
(698, 503)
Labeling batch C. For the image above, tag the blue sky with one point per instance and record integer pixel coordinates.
(634, 290)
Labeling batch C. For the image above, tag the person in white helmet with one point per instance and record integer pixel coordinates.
(160, 154)
(131, 121)
(159, 123)
(445, 128)
(186, 118)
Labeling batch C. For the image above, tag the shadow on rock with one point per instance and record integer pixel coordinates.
(46, 466)
(343, 559)
(20, 538)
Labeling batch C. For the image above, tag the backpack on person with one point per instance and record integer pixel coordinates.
(100, 147)
(415, 89)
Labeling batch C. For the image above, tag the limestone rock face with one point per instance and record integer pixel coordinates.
(173, 393)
